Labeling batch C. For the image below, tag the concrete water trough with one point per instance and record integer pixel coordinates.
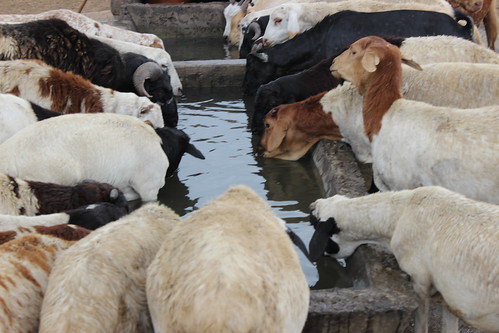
(381, 299)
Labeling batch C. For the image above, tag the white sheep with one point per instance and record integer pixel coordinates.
(443, 240)
(25, 266)
(98, 285)
(26, 197)
(159, 55)
(88, 26)
(228, 267)
(414, 143)
(65, 92)
(108, 148)
(290, 19)
(89, 217)
(17, 113)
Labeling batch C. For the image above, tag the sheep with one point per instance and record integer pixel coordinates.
(290, 19)
(481, 11)
(65, 92)
(235, 12)
(156, 54)
(89, 26)
(98, 285)
(17, 113)
(446, 243)
(58, 44)
(89, 217)
(334, 33)
(26, 197)
(436, 84)
(296, 87)
(228, 267)
(414, 143)
(26, 263)
(69, 232)
(110, 148)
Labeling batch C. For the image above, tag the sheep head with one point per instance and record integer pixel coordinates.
(366, 56)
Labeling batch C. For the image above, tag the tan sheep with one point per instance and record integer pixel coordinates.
(99, 286)
(229, 267)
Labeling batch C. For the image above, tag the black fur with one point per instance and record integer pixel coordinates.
(337, 31)
(96, 215)
(161, 89)
(175, 143)
(321, 239)
(248, 40)
(42, 113)
(55, 198)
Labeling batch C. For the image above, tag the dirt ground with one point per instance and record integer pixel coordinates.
(96, 9)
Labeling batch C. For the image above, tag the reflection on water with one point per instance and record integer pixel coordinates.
(217, 122)
(183, 49)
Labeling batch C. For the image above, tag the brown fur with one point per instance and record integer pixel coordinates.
(67, 232)
(6, 236)
(485, 13)
(54, 198)
(65, 97)
(297, 126)
(381, 87)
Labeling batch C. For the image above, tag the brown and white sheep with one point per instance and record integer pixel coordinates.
(415, 143)
(446, 242)
(25, 266)
(98, 285)
(66, 92)
(228, 267)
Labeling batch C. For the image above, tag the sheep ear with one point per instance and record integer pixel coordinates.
(276, 136)
(369, 61)
(412, 63)
(194, 151)
(148, 122)
(293, 24)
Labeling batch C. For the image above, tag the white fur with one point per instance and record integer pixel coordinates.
(159, 55)
(10, 222)
(89, 26)
(290, 19)
(15, 113)
(25, 265)
(462, 85)
(443, 240)
(98, 285)
(23, 77)
(229, 267)
(115, 149)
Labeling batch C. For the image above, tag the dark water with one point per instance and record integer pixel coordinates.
(199, 49)
(217, 120)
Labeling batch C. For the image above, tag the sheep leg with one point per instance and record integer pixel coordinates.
(450, 323)
(490, 25)
(422, 290)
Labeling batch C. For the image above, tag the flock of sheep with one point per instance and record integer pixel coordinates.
(422, 109)
(74, 259)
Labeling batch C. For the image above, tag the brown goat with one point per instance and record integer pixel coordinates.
(481, 11)
(292, 129)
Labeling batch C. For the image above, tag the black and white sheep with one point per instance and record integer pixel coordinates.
(27, 197)
(228, 267)
(110, 148)
(58, 44)
(98, 285)
(443, 240)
